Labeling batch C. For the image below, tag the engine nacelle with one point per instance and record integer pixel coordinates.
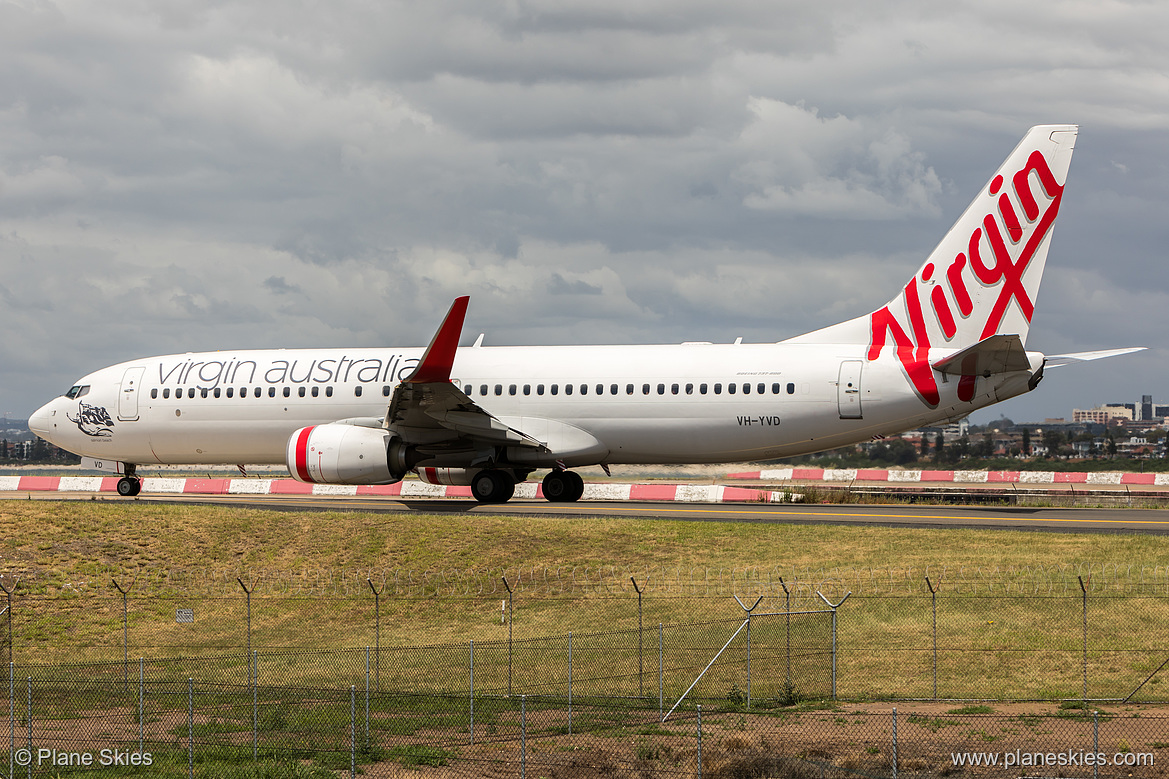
(452, 477)
(346, 454)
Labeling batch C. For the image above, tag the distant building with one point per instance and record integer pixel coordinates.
(1104, 414)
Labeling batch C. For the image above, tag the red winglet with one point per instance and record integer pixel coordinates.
(440, 355)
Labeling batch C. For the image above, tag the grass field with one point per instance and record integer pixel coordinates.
(1026, 644)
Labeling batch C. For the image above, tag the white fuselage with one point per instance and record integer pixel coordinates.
(690, 403)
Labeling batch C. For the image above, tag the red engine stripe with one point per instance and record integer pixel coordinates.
(302, 455)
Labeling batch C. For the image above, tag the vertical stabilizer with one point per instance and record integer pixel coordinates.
(983, 278)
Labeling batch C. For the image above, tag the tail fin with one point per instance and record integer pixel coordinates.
(983, 278)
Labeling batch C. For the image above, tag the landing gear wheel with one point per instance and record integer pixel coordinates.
(128, 486)
(492, 487)
(563, 487)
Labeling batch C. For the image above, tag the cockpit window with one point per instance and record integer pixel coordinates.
(77, 390)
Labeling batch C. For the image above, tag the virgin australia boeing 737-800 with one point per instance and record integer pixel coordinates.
(950, 342)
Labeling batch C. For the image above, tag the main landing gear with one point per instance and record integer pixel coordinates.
(563, 487)
(129, 485)
(492, 486)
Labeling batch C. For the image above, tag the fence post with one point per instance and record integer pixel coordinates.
(377, 610)
(8, 611)
(125, 638)
(640, 652)
(248, 593)
(834, 607)
(367, 697)
(190, 728)
(894, 742)
(748, 610)
(141, 702)
(523, 737)
(787, 608)
(352, 731)
(661, 686)
(510, 614)
(1084, 590)
(11, 718)
(255, 709)
(472, 664)
(934, 599)
(570, 682)
(700, 741)
(1096, 743)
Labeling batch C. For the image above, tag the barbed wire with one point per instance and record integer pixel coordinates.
(612, 581)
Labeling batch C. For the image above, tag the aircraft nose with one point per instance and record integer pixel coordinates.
(41, 422)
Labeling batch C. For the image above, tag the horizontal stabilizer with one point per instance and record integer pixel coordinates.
(1059, 360)
(996, 354)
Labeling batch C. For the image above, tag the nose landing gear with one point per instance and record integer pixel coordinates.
(129, 485)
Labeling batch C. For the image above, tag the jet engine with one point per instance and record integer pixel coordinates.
(346, 454)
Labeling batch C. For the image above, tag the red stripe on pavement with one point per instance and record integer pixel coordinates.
(1070, 478)
(1138, 478)
(392, 490)
(290, 487)
(937, 476)
(812, 474)
(39, 483)
(653, 491)
(742, 495)
(872, 474)
(1002, 477)
(206, 486)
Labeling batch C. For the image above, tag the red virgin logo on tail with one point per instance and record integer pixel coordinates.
(988, 261)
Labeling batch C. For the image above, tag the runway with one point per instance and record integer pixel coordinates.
(1059, 520)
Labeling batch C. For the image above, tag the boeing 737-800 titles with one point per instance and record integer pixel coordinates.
(950, 342)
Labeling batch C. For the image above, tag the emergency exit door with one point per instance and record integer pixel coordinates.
(848, 390)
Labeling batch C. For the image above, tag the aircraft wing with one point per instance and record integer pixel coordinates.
(1059, 360)
(427, 409)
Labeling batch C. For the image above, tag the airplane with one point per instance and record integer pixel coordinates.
(950, 342)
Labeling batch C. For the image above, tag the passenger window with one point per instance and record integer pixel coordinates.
(731, 389)
(288, 392)
(498, 389)
(644, 389)
(718, 389)
(483, 389)
(190, 392)
(511, 389)
(154, 393)
(701, 389)
(357, 391)
(539, 389)
(202, 392)
(527, 389)
(567, 389)
(231, 392)
(166, 393)
(584, 389)
(555, 389)
(257, 391)
(300, 391)
(612, 389)
(775, 388)
(628, 389)
(791, 388)
(661, 389)
(316, 392)
(761, 388)
(216, 393)
(746, 388)
(328, 392)
(271, 392)
(689, 389)
(673, 389)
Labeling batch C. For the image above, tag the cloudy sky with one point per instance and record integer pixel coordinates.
(208, 175)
